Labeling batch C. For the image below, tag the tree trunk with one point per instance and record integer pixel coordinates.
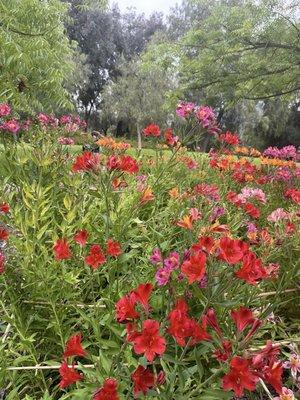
(139, 137)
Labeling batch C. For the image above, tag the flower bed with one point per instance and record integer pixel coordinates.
(162, 276)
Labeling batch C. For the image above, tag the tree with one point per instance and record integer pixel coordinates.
(138, 96)
(105, 36)
(35, 54)
(244, 50)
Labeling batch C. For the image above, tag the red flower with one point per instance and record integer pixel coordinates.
(182, 327)
(170, 138)
(125, 308)
(86, 161)
(113, 248)
(4, 208)
(229, 138)
(4, 234)
(108, 390)
(251, 210)
(194, 268)
(95, 258)
(74, 347)
(81, 237)
(293, 194)
(268, 355)
(2, 263)
(224, 353)
(143, 380)
(273, 376)
(242, 317)
(210, 319)
(205, 243)
(148, 342)
(239, 377)
(68, 375)
(152, 130)
(231, 250)
(62, 250)
(129, 164)
(252, 269)
(142, 293)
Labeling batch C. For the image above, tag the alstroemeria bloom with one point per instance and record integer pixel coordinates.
(62, 250)
(152, 130)
(109, 390)
(240, 377)
(232, 251)
(148, 341)
(286, 394)
(4, 234)
(81, 237)
(272, 374)
(125, 308)
(73, 347)
(143, 380)
(4, 110)
(4, 208)
(143, 293)
(113, 248)
(11, 126)
(293, 364)
(242, 317)
(68, 375)
(252, 270)
(277, 215)
(96, 257)
(86, 161)
(194, 268)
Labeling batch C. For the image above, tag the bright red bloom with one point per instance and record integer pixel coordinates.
(268, 355)
(181, 327)
(4, 234)
(143, 380)
(131, 330)
(224, 353)
(229, 138)
(293, 194)
(2, 263)
(129, 164)
(231, 251)
(113, 248)
(68, 375)
(210, 319)
(143, 293)
(109, 390)
(86, 161)
(62, 250)
(148, 342)
(95, 258)
(242, 317)
(74, 347)
(251, 210)
(4, 208)
(81, 237)
(152, 130)
(252, 270)
(273, 376)
(205, 243)
(239, 377)
(170, 138)
(123, 163)
(194, 268)
(125, 308)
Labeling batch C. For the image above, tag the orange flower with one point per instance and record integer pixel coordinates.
(186, 222)
(147, 196)
(174, 193)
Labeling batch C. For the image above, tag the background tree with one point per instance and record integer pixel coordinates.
(137, 97)
(35, 54)
(105, 36)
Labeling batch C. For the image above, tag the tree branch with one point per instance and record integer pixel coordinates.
(278, 94)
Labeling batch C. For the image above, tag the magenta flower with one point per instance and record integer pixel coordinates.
(43, 119)
(11, 125)
(173, 261)
(162, 276)
(156, 257)
(184, 109)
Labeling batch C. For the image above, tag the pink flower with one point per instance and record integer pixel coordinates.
(184, 109)
(162, 276)
(293, 364)
(156, 257)
(277, 215)
(11, 125)
(286, 394)
(4, 109)
(43, 119)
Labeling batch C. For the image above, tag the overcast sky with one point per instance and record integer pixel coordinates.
(146, 6)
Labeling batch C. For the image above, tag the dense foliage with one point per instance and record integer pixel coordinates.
(164, 274)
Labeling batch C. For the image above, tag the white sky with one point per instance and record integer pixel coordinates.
(147, 6)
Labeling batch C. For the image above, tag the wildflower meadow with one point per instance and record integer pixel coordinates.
(161, 274)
